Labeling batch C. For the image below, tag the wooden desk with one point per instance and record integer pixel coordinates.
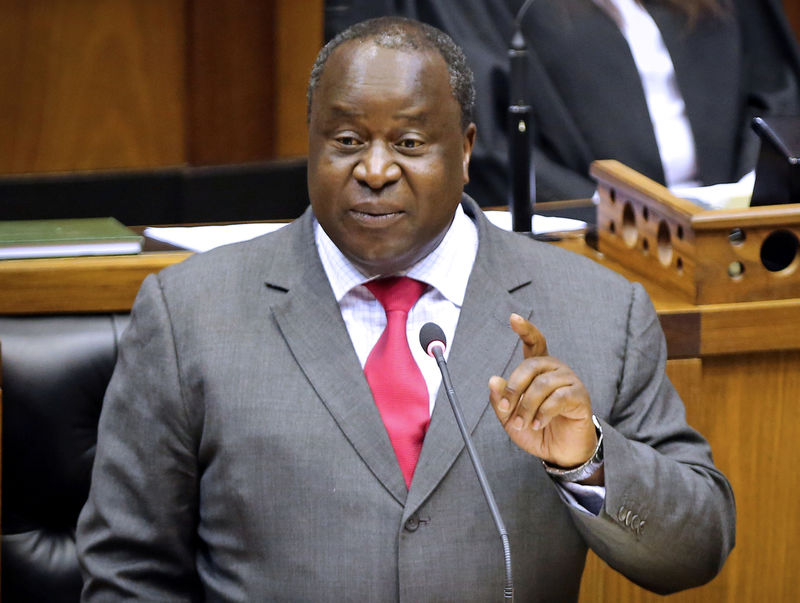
(78, 285)
(737, 367)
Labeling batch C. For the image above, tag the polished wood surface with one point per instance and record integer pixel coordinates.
(705, 329)
(299, 38)
(232, 86)
(109, 84)
(747, 407)
(77, 285)
(91, 84)
(710, 256)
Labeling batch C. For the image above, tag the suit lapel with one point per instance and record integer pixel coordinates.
(483, 346)
(312, 325)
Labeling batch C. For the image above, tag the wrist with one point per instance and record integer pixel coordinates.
(585, 471)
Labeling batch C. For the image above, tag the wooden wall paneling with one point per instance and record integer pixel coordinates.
(249, 66)
(231, 81)
(747, 406)
(751, 415)
(300, 37)
(90, 84)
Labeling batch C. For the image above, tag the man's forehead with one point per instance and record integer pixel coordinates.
(355, 55)
(417, 75)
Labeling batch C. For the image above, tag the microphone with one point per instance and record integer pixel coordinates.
(522, 194)
(433, 341)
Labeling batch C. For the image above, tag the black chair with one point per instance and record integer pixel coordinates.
(55, 370)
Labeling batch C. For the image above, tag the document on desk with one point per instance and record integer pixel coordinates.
(728, 195)
(539, 224)
(203, 238)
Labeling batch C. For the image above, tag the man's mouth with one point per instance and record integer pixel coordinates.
(375, 216)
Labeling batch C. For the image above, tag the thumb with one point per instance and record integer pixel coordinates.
(534, 343)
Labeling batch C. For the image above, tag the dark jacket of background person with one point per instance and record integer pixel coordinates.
(587, 98)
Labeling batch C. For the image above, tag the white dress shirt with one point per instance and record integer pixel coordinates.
(446, 269)
(664, 100)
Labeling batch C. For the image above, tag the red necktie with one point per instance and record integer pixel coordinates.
(397, 384)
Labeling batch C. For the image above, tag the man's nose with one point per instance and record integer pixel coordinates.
(377, 167)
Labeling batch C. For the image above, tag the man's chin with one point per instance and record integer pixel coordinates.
(384, 263)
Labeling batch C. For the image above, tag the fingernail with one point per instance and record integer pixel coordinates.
(517, 424)
(536, 425)
(504, 405)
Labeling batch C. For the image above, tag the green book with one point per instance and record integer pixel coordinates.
(64, 238)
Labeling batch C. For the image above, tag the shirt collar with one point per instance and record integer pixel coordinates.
(446, 268)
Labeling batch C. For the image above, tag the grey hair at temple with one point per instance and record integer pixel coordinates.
(405, 34)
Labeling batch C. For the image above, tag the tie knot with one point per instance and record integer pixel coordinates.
(396, 293)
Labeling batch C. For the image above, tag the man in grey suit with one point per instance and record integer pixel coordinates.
(241, 455)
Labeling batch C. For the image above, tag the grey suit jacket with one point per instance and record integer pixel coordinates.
(241, 457)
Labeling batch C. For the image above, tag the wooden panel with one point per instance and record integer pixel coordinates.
(682, 332)
(231, 81)
(686, 375)
(675, 243)
(91, 84)
(249, 67)
(95, 84)
(755, 326)
(751, 416)
(85, 284)
(747, 407)
(300, 37)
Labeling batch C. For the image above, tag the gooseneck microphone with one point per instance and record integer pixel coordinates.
(433, 341)
(522, 193)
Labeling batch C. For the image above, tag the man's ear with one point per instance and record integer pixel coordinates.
(469, 142)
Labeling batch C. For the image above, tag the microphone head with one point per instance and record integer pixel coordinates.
(431, 335)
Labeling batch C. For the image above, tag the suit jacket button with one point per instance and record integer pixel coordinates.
(621, 513)
(412, 523)
(628, 518)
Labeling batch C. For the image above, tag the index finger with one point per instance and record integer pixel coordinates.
(534, 343)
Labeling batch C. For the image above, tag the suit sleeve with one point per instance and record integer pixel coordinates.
(669, 517)
(136, 533)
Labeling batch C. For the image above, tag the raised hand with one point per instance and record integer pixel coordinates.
(543, 406)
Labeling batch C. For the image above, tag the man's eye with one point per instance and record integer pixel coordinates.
(347, 141)
(410, 143)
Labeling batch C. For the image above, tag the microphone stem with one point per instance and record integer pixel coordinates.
(508, 590)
